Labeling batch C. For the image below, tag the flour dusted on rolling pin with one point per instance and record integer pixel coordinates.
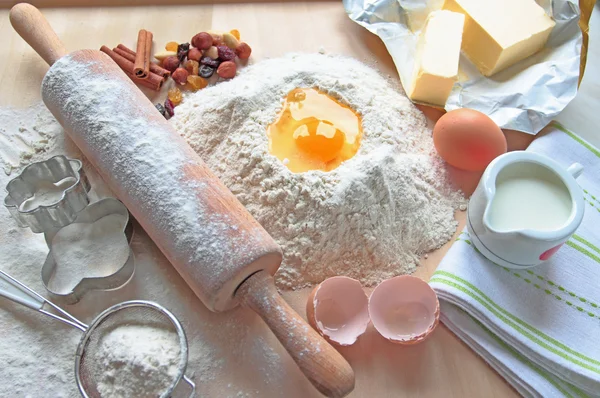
(190, 215)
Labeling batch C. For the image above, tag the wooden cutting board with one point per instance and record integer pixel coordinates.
(443, 366)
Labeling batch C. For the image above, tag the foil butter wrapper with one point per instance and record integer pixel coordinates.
(524, 97)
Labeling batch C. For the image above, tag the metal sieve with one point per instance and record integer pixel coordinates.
(88, 367)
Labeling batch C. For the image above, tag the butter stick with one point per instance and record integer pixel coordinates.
(500, 33)
(438, 53)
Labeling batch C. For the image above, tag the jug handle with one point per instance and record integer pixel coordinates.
(575, 170)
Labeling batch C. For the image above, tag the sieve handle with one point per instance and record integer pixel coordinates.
(326, 368)
(191, 384)
(19, 293)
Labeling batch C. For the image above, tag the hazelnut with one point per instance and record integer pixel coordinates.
(230, 41)
(227, 70)
(217, 37)
(243, 51)
(202, 40)
(180, 76)
(194, 54)
(212, 52)
(170, 63)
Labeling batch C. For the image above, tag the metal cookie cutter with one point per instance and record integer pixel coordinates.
(89, 215)
(66, 188)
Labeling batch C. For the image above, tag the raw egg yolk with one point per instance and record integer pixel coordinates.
(314, 132)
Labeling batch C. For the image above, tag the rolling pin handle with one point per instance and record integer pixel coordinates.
(33, 27)
(326, 368)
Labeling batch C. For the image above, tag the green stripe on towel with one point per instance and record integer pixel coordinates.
(549, 378)
(516, 323)
(577, 138)
(587, 243)
(525, 333)
(583, 251)
(561, 289)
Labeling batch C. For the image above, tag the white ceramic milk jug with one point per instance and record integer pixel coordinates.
(525, 207)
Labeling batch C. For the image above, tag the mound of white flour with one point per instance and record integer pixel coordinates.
(372, 217)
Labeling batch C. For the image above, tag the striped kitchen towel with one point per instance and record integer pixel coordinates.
(539, 327)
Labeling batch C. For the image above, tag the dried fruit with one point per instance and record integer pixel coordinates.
(226, 53)
(210, 62)
(175, 96)
(243, 51)
(235, 33)
(160, 108)
(195, 54)
(164, 54)
(230, 41)
(192, 67)
(217, 37)
(182, 51)
(196, 82)
(180, 76)
(227, 69)
(202, 40)
(172, 46)
(170, 63)
(206, 71)
(169, 109)
(212, 53)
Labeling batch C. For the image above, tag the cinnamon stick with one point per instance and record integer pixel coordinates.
(130, 55)
(153, 80)
(141, 65)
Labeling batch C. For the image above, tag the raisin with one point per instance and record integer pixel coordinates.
(226, 53)
(191, 66)
(172, 46)
(160, 109)
(174, 95)
(169, 108)
(196, 83)
(235, 33)
(206, 71)
(214, 63)
(182, 51)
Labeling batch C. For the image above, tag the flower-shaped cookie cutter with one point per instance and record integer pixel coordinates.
(64, 204)
(89, 215)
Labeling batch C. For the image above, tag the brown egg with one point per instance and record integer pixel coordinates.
(468, 139)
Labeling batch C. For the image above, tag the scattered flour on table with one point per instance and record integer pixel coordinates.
(136, 361)
(373, 216)
(384, 207)
(25, 133)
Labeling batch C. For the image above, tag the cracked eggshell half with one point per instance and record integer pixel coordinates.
(338, 309)
(404, 309)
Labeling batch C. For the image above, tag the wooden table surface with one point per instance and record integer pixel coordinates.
(441, 367)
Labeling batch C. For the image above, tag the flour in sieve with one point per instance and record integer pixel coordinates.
(137, 361)
(372, 217)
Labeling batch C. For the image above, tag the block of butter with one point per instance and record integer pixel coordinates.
(438, 53)
(500, 33)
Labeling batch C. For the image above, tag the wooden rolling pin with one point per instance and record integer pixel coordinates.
(224, 255)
